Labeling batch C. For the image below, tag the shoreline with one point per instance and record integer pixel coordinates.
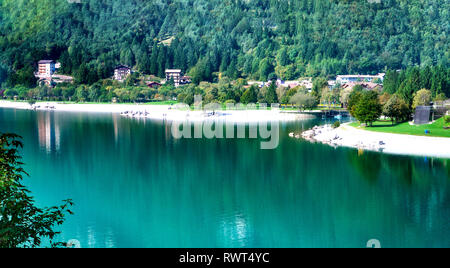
(163, 112)
(390, 143)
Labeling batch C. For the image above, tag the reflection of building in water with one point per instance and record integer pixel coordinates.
(42, 130)
(116, 127)
(49, 131)
(122, 129)
(237, 230)
(57, 134)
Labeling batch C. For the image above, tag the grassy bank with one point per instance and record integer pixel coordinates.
(91, 102)
(436, 129)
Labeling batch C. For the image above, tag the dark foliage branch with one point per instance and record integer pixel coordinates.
(22, 224)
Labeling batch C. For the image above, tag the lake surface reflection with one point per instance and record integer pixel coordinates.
(135, 186)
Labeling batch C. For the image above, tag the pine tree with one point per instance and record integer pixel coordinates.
(271, 94)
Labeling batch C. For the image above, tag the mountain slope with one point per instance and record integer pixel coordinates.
(255, 39)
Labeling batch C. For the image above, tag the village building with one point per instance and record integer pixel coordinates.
(177, 77)
(46, 68)
(185, 80)
(153, 84)
(332, 84)
(259, 84)
(173, 75)
(365, 85)
(287, 84)
(47, 74)
(307, 83)
(344, 79)
(121, 72)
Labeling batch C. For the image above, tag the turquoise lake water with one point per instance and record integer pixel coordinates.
(135, 186)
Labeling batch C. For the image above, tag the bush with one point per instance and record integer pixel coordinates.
(447, 119)
(336, 124)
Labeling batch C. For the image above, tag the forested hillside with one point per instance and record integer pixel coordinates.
(239, 38)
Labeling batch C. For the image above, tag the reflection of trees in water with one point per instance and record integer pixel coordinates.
(173, 192)
(368, 165)
(446, 164)
(403, 168)
(400, 167)
(416, 169)
(416, 189)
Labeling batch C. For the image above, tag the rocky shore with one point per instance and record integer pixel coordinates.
(347, 136)
(328, 135)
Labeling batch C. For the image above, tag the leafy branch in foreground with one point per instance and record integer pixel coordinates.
(22, 224)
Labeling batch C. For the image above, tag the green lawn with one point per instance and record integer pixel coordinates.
(91, 102)
(436, 129)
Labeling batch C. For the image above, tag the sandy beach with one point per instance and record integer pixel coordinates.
(163, 112)
(399, 144)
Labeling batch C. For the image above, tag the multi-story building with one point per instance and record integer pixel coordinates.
(175, 75)
(46, 68)
(121, 72)
(48, 73)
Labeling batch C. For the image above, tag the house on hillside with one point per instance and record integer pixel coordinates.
(46, 68)
(174, 75)
(177, 77)
(287, 84)
(332, 84)
(153, 84)
(121, 72)
(47, 74)
(185, 80)
(256, 83)
(307, 83)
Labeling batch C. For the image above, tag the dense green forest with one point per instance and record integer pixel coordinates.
(408, 82)
(236, 38)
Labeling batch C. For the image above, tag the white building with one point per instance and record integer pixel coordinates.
(175, 75)
(46, 68)
(47, 73)
(344, 79)
(121, 72)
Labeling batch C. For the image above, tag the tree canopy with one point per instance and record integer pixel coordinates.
(260, 39)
